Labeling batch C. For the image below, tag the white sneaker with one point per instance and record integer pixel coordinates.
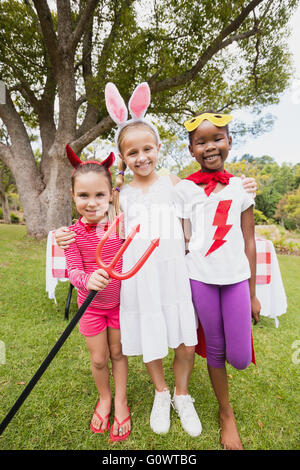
(190, 421)
(160, 414)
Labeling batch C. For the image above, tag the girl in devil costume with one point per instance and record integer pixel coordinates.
(93, 196)
(221, 259)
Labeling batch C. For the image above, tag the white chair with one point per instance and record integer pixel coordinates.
(56, 270)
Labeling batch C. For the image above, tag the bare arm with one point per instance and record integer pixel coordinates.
(187, 231)
(175, 179)
(248, 229)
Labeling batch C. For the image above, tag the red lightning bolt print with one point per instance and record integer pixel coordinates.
(220, 219)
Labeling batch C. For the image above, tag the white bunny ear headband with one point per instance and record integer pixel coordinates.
(138, 105)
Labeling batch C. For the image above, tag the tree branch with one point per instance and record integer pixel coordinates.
(190, 74)
(13, 122)
(84, 19)
(80, 101)
(26, 92)
(48, 31)
(106, 124)
(239, 37)
(18, 156)
(257, 44)
(91, 114)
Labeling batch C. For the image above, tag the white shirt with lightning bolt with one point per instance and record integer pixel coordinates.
(216, 247)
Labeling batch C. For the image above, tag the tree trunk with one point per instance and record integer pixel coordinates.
(50, 208)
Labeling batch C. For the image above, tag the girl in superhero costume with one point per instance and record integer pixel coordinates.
(221, 259)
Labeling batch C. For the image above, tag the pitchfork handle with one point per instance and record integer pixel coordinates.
(47, 361)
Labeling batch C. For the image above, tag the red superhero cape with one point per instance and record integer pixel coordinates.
(201, 349)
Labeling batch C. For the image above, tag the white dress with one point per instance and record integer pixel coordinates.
(156, 309)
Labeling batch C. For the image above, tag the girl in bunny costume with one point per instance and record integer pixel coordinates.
(156, 310)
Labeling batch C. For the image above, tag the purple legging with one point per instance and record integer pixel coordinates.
(225, 316)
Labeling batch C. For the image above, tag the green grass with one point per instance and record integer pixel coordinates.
(57, 413)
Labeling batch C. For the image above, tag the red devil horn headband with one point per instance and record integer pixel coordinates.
(76, 162)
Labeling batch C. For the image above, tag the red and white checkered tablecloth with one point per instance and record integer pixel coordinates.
(269, 286)
(59, 269)
(263, 261)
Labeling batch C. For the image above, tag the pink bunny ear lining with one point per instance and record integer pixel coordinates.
(140, 100)
(115, 111)
(115, 103)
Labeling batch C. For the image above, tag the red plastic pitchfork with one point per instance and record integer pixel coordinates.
(109, 268)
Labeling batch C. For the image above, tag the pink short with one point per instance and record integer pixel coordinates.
(91, 324)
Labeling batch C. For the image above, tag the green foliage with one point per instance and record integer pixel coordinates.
(259, 217)
(14, 218)
(136, 41)
(7, 179)
(21, 46)
(267, 199)
(189, 169)
(288, 210)
(273, 180)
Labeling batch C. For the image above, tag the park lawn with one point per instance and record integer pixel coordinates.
(57, 413)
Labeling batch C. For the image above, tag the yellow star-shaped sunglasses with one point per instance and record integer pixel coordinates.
(219, 120)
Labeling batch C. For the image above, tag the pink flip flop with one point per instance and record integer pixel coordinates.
(125, 436)
(101, 431)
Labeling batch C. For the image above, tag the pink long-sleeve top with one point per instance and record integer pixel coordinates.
(81, 263)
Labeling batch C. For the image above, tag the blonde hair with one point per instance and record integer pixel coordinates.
(133, 125)
(118, 184)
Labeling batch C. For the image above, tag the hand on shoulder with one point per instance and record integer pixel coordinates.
(175, 179)
(249, 185)
(64, 236)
